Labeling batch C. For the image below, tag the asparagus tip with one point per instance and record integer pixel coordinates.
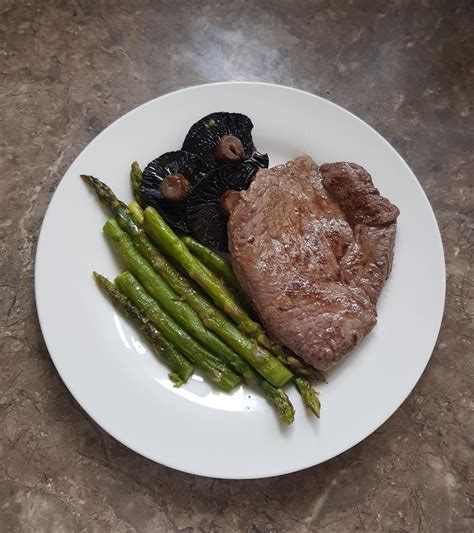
(100, 279)
(315, 406)
(287, 416)
(308, 394)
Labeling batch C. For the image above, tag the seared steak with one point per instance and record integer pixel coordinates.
(312, 248)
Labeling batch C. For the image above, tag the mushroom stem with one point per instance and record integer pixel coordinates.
(175, 187)
(229, 149)
(229, 200)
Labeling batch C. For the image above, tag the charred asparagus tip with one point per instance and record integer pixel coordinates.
(99, 277)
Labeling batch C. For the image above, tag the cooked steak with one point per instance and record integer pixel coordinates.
(312, 248)
(352, 188)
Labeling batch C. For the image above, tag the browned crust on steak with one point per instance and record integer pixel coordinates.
(352, 188)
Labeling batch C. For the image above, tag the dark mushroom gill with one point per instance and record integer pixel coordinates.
(221, 138)
(166, 183)
(209, 200)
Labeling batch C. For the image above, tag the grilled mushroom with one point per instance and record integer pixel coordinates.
(167, 182)
(221, 138)
(210, 201)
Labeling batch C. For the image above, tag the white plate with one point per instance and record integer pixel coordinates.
(197, 429)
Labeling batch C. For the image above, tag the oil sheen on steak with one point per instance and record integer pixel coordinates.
(313, 247)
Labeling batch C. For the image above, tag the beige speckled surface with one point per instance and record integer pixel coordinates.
(67, 69)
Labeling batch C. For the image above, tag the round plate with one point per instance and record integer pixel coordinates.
(114, 376)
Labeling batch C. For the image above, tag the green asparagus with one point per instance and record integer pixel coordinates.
(309, 395)
(159, 289)
(213, 261)
(165, 238)
(136, 211)
(135, 178)
(179, 283)
(184, 288)
(180, 308)
(214, 369)
(181, 368)
(217, 264)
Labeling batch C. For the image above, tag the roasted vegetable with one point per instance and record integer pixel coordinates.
(210, 201)
(181, 368)
(176, 307)
(220, 266)
(221, 138)
(213, 368)
(166, 183)
(136, 176)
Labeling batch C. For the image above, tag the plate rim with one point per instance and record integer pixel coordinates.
(281, 471)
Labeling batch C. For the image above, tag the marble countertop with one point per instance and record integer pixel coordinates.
(68, 69)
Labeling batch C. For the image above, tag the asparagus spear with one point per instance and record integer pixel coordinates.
(309, 395)
(159, 289)
(136, 211)
(208, 314)
(165, 238)
(267, 365)
(165, 350)
(214, 369)
(213, 261)
(184, 288)
(217, 264)
(135, 178)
